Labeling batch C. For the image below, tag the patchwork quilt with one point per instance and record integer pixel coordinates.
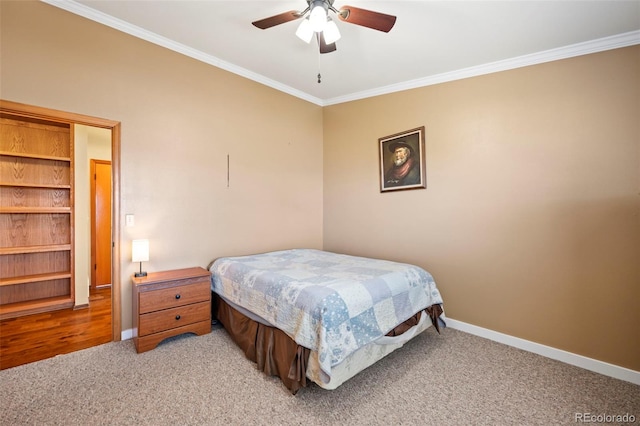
(330, 303)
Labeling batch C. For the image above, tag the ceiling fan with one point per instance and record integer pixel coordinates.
(319, 22)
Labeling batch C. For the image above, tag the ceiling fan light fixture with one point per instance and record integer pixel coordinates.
(304, 31)
(318, 15)
(331, 32)
(315, 19)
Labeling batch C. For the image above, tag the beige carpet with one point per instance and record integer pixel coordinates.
(449, 379)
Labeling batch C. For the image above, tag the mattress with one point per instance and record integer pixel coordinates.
(340, 307)
(364, 357)
(356, 362)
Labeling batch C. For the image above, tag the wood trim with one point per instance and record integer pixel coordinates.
(41, 113)
(116, 297)
(72, 180)
(92, 221)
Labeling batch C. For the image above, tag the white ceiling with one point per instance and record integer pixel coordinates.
(431, 42)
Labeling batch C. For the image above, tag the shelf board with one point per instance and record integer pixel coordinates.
(12, 310)
(35, 249)
(37, 156)
(35, 209)
(26, 279)
(35, 185)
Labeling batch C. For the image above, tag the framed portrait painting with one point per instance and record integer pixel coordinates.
(402, 161)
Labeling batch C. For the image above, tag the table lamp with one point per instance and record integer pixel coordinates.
(140, 253)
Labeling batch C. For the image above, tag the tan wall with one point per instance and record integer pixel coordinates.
(530, 222)
(180, 118)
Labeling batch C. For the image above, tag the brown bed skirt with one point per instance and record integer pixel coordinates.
(277, 354)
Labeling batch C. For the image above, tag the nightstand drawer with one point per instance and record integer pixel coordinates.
(171, 318)
(156, 300)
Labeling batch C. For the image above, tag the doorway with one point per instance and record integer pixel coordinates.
(18, 333)
(101, 245)
(113, 128)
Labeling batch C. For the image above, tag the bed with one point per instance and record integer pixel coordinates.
(305, 314)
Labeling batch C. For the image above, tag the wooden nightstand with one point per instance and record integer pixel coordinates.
(169, 303)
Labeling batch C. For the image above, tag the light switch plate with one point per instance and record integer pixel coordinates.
(129, 220)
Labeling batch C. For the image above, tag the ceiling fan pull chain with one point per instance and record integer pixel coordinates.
(319, 70)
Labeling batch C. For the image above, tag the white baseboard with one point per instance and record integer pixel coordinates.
(590, 364)
(126, 334)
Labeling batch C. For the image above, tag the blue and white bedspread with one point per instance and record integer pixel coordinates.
(330, 303)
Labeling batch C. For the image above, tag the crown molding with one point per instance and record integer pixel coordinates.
(584, 48)
(125, 27)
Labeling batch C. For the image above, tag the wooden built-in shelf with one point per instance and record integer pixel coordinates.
(35, 249)
(38, 156)
(36, 185)
(24, 279)
(36, 215)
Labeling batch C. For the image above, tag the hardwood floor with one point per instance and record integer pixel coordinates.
(40, 336)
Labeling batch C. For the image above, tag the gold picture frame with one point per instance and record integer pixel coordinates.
(403, 161)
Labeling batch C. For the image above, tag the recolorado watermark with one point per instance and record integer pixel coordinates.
(604, 418)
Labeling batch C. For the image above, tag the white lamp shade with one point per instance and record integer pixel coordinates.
(140, 250)
(331, 32)
(318, 17)
(305, 32)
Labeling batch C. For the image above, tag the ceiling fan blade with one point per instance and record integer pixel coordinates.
(367, 18)
(281, 18)
(324, 47)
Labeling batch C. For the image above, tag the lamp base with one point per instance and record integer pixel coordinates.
(140, 274)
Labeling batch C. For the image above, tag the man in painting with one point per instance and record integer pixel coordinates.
(405, 169)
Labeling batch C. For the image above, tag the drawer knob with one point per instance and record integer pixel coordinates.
(177, 317)
(177, 296)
